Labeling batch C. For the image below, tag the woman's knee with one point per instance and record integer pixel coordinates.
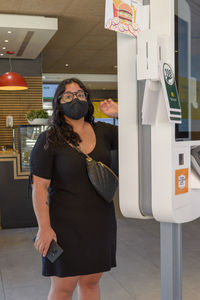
(89, 281)
(64, 286)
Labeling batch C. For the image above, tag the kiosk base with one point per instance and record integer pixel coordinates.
(171, 261)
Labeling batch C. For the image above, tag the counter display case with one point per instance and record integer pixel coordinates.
(27, 136)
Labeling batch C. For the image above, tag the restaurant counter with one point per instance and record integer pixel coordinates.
(15, 201)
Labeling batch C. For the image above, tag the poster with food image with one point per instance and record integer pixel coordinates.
(123, 16)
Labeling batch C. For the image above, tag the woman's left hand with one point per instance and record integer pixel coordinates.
(109, 108)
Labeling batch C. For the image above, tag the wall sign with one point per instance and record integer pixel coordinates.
(181, 181)
(124, 16)
(170, 93)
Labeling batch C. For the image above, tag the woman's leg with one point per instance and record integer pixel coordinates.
(62, 288)
(89, 286)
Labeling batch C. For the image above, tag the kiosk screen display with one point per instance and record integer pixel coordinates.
(187, 67)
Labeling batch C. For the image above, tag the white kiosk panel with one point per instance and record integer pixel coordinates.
(172, 198)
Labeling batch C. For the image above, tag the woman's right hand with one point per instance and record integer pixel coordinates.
(109, 108)
(43, 239)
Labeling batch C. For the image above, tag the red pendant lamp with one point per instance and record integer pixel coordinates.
(12, 81)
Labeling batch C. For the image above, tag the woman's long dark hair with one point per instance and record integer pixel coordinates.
(60, 131)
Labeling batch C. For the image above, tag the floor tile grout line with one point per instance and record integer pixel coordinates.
(123, 287)
(1, 278)
(143, 256)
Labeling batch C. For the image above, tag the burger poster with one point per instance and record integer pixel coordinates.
(123, 16)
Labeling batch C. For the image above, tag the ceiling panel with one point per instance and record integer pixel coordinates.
(86, 8)
(45, 7)
(93, 43)
(11, 5)
(99, 30)
(70, 31)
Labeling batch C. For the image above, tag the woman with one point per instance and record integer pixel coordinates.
(67, 207)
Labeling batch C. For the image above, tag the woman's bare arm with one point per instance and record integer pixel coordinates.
(41, 207)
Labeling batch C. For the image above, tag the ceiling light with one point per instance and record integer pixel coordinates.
(3, 48)
(66, 65)
(1, 54)
(6, 41)
(9, 31)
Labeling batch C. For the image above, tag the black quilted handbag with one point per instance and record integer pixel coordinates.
(103, 179)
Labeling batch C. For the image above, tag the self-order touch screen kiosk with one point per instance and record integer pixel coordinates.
(159, 161)
(158, 178)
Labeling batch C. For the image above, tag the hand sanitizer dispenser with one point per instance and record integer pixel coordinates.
(9, 121)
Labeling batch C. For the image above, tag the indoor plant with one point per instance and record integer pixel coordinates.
(37, 117)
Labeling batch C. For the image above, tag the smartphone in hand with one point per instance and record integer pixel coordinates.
(53, 252)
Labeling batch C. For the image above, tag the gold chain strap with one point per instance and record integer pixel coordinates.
(79, 150)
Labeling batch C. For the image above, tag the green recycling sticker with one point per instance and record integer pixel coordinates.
(170, 93)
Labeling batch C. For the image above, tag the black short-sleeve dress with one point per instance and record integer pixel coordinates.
(84, 223)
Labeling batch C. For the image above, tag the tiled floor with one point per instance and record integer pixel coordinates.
(137, 276)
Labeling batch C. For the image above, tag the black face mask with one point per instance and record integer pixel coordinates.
(76, 109)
